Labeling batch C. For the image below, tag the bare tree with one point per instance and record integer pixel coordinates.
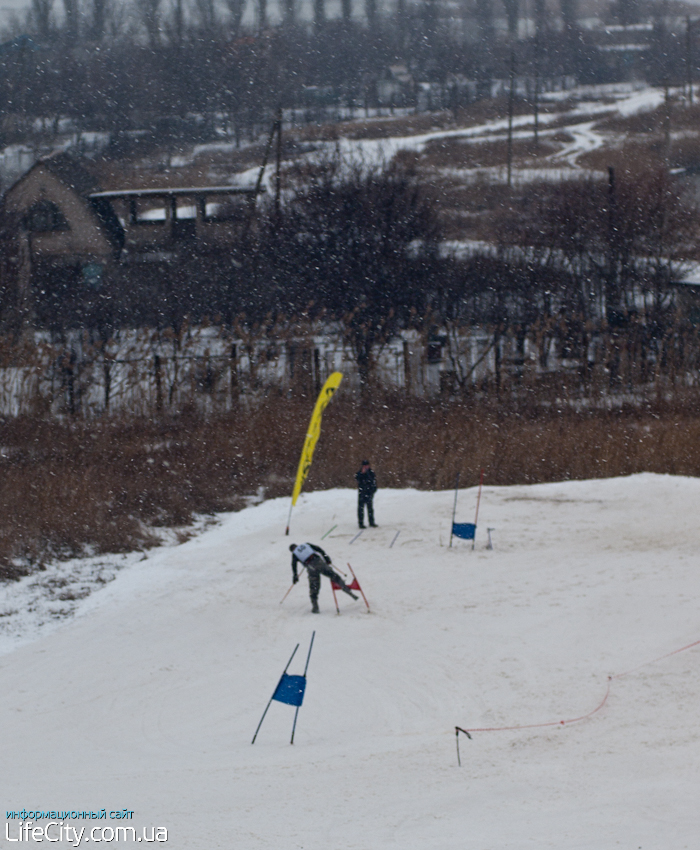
(206, 13)
(149, 12)
(484, 20)
(261, 14)
(356, 242)
(569, 15)
(99, 19)
(319, 14)
(71, 14)
(236, 8)
(512, 14)
(371, 12)
(41, 10)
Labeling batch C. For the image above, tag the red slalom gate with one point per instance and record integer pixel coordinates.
(355, 585)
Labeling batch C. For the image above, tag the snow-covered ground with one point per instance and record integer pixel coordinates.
(147, 698)
(586, 102)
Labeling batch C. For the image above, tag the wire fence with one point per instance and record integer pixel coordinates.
(212, 369)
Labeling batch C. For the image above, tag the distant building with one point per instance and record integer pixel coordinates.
(67, 247)
(57, 241)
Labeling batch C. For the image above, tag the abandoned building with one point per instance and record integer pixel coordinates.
(66, 247)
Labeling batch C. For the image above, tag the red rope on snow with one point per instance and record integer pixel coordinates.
(660, 658)
(459, 729)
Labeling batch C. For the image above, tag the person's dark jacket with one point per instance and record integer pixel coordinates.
(296, 560)
(366, 483)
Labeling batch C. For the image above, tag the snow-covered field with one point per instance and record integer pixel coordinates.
(147, 698)
(585, 102)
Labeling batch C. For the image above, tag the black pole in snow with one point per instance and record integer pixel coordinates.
(459, 729)
(454, 509)
(311, 645)
(273, 693)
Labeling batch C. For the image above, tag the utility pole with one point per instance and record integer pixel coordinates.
(689, 57)
(511, 98)
(278, 162)
(667, 124)
(536, 103)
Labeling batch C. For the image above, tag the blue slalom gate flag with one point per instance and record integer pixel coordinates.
(290, 690)
(465, 530)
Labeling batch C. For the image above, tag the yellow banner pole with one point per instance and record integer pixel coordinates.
(312, 435)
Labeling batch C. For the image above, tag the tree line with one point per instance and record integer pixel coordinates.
(577, 272)
(194, 70)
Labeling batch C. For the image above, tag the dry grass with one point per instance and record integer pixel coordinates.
(680, 116)
(462, 153)
(629, 158)
(68, 488)
(651, 121)
(410, 125)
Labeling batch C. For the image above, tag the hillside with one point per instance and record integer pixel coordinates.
(148, 698)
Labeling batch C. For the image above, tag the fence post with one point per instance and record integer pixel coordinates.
(159, 384)
(234, 372)
(69, 373)
(107, 372)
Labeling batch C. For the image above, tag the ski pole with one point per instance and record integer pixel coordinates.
(287, 593)
(303, 566)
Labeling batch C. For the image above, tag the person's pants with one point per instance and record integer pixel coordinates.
(315, 569)
(361, 502)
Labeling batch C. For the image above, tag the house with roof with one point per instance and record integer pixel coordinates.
(58, 243)
(66, 246)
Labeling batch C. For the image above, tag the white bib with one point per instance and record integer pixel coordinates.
(304, 552)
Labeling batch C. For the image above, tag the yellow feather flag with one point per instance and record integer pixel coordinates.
(312, 435)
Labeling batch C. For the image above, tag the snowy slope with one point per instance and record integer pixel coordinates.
(148, 699)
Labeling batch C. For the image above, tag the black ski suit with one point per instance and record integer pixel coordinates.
(317, 564)
(366, 488)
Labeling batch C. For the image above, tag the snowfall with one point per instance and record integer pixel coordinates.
(147, 695)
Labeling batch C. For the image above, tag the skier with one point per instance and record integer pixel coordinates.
(366, 488)
(316, 562)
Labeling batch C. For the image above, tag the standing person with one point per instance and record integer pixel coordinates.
(366, 488)
(316, 562)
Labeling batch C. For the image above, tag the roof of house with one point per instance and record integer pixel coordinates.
(71, 172)
(76, 177)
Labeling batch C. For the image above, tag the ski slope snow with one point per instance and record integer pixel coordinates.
(147, 699)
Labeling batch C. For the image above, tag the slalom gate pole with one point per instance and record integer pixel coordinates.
(394, 540)
(289, 519)
(357, 535)
(478, 501)
(454, 509)
(359, 588)
(458, 729)
(274, 692)
(308, 657)
(311, 646)
(335, 598)
(329, 531)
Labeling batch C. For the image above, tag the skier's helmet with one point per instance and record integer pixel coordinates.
(292, 547)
